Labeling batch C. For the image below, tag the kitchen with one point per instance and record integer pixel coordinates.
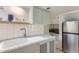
(33, 29)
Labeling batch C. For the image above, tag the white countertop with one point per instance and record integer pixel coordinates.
(20, 42)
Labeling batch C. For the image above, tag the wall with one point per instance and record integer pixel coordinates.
(13, 30)
(46, 29)
(53, 18)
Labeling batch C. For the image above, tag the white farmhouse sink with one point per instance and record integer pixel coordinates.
(19, 42)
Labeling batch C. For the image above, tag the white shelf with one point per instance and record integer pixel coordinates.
(14, 22)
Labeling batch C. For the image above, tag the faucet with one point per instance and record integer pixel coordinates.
(24, 31)
(16, 37)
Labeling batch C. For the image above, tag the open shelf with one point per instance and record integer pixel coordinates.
(14, 22)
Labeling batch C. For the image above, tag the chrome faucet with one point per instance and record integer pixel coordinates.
(24, 31)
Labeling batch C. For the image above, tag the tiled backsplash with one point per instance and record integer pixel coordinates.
(13, 30)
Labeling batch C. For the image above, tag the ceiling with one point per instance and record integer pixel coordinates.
(56, 10)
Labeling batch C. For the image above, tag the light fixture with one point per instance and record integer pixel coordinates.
(48, 8)
(17, 10)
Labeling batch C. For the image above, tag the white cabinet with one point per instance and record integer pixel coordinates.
(39, 16)
(47, 46)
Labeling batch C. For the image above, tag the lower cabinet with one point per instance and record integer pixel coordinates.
(43, 48)
(52, 48)
(47, 47)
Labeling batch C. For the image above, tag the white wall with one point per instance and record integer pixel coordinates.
(53, 18)
(13, 30)
(46, 29)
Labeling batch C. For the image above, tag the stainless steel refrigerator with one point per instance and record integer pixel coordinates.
(70, 37)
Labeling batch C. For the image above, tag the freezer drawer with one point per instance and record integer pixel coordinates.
(70, 43)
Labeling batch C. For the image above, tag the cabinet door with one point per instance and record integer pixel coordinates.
(52, 48)
(43, 48)
(45, 17)
(48, 18)
(40, 16)
(37, 16)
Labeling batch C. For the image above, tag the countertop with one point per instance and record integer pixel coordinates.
(8, 45)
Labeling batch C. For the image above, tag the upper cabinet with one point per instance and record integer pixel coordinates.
(39, 16)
